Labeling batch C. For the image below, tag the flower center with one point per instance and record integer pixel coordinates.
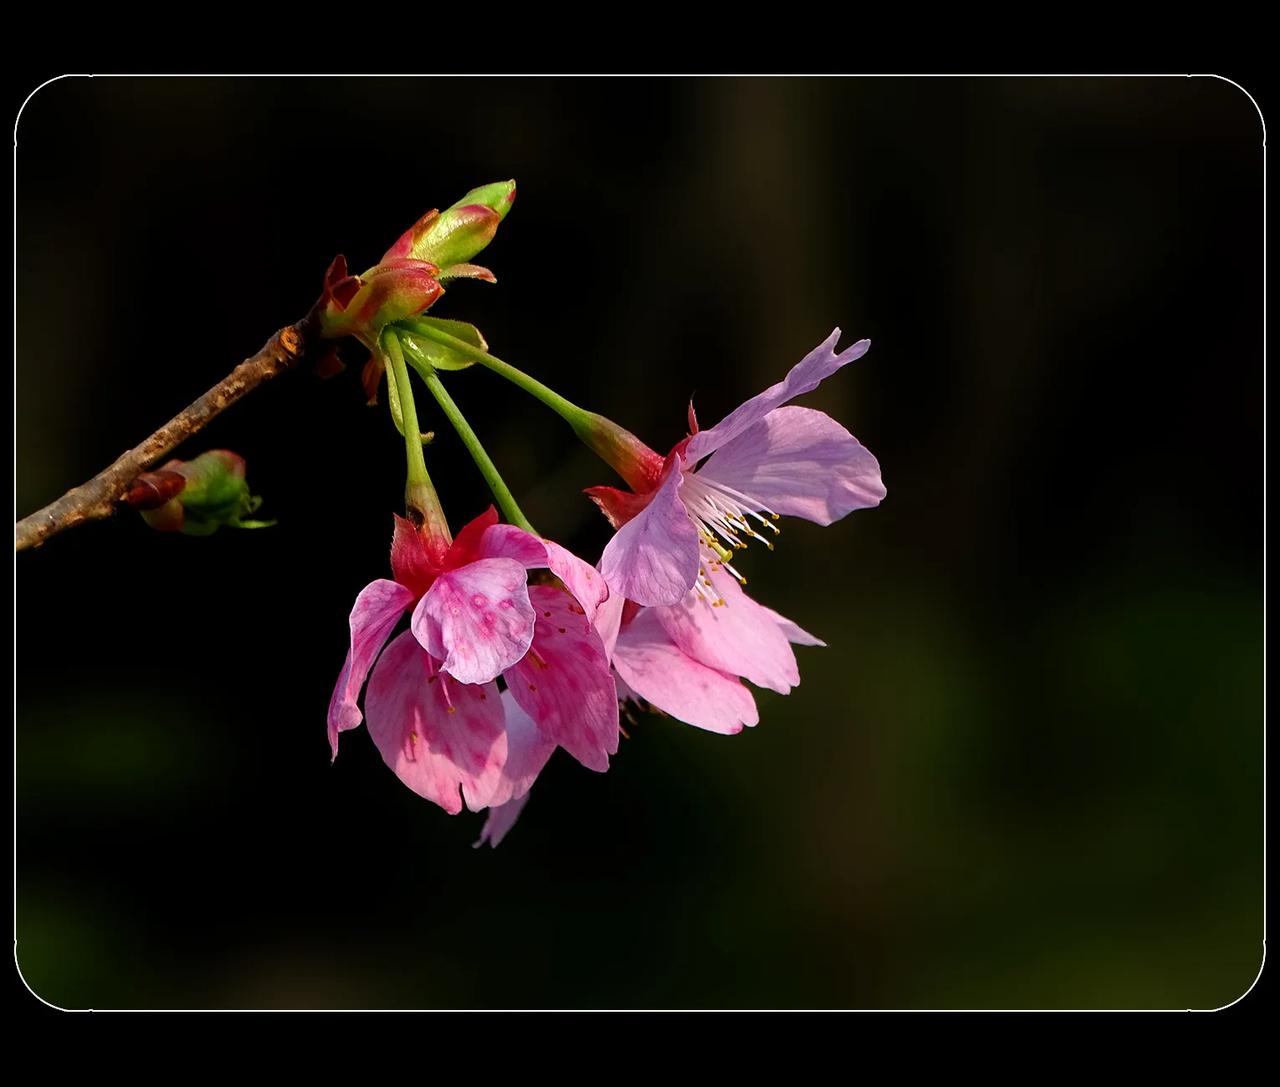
(723, 515)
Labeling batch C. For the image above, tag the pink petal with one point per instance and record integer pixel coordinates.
(500, 821)
(655, 668)
(804, 377)
(799, 462)
(580, 577)
(608, 620)
(738, 637)
(653, 558)
(510, 542)
(564, 682)
(437, 734)
(527, 752)
(377, 608)
(795, 634)
(477, 619)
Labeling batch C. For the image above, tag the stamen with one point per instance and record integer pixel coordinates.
(705, 591)
(721, 514)
(448, 698)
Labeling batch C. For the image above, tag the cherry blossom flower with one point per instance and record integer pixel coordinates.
(766, 460)
(433, 704)
(690, 659)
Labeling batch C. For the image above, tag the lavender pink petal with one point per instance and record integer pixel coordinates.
(805, 376)
(653, 558)
(655, 668)
(793, 632)
(738, 637)
(798, 462)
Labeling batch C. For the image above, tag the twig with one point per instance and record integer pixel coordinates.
(100, 497)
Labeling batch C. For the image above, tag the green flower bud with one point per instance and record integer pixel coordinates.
(197, 497)
(449, 239)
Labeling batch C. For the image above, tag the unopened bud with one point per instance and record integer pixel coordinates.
(196, 497)
(498, 196)
(449, 239)
(361, 306)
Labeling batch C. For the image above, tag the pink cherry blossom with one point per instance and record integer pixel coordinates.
(766, 460)
(690, 659)
(433, 704)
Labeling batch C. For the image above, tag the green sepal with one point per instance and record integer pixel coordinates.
(437, 355)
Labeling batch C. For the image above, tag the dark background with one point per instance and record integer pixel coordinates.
(1027, 772)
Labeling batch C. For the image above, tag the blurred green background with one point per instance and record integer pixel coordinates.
(1026, 773)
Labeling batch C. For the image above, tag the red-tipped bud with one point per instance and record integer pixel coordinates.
(153, 489)
(449, 239)
(196, 497)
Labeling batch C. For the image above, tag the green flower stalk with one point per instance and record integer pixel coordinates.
(421, 501)
(497, 485)
(626, 454)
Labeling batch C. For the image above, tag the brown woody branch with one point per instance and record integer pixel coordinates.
(101, 496)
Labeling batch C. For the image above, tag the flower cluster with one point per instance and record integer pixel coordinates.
(513, 645)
